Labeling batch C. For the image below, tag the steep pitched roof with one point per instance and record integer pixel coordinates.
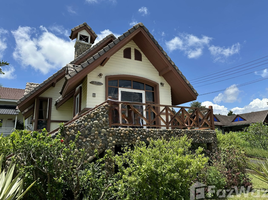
(11, 93)
(253, 117)
(182, 90)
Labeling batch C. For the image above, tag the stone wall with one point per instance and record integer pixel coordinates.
(96, 133)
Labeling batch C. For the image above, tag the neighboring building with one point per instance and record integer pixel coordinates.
(239, 122)
(10, 116)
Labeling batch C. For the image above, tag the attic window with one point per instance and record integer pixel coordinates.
(238, 119)
(138, 55)
(83, 38)
(215, 119)
(127, 53)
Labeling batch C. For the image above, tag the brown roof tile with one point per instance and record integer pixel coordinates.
(11, 93)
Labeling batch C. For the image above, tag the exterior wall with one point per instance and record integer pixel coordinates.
(118, 65)
(65, 112)
(84, 94)
(8, 123)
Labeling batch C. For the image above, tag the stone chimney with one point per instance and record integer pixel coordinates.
(84, 36)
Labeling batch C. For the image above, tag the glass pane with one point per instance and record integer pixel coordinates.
(113, 93)
(149, 96)
(125, 83)
(41, 124)
(42, 109)
(113, 83)
(131, 96)
(148, 87)
(138, 85)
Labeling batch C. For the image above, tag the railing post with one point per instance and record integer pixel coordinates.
(167, 121)
(211, 118)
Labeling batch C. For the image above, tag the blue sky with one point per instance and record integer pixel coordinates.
(203, 38)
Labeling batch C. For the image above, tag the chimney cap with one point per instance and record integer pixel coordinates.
(87, 28)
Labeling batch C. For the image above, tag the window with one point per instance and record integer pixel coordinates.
(77, 100)
(215, 119)
(1, 123)
(238, 119)
(43, 114)
(83, 38)
(114, 85)
(127, 53)
(138, 55)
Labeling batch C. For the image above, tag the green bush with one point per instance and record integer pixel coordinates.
(161, 170)
(256, 135)
(230, 139)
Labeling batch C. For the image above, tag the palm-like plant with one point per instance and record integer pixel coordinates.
(261, 170)
(11, 188)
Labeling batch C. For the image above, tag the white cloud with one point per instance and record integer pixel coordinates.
(190, 44)
(98, 1)
(3, 44)
(59, 30)
(163, 34)
(103, 34)
(134, 22)
(255, 105)
(221, 53)
(71, 10)
(230, 95)
(263, 73)
(143, 10)
(9, 72)
(41, 49)
(217, 109)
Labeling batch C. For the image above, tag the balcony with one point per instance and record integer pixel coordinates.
(144, 115)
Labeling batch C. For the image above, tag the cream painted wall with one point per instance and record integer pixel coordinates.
(118, 65)
(84, 94)
(64, 112)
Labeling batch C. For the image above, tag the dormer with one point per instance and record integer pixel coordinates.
(84, 36)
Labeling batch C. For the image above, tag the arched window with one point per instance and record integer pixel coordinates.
(127, 53)
(138, 55)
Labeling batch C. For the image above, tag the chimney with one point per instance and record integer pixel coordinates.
(84, 36)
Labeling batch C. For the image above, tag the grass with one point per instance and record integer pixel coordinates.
(255, 152)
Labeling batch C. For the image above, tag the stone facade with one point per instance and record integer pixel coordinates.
(80, 48)
(96, 133)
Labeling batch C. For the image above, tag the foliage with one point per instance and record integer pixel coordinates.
(230, 139)
(195, 104)
(261, 170)
(2, 63)
(49, 161)
(163, 170)
(97, 181)
(230, 113)
(257, 135)
(11, 188)
(215, 177)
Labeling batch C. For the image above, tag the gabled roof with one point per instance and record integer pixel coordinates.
(253, 117)
(182, 90)
(81, 27)
(11, 93)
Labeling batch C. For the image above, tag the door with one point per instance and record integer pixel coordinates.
(128, 115)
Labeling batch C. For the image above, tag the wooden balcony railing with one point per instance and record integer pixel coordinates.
(144, 115)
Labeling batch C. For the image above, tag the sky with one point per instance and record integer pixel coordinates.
(220, 46)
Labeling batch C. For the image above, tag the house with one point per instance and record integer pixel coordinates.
(239, 122)
(10, 116)
(119, 84)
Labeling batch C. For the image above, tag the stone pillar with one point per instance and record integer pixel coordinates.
(80, 47)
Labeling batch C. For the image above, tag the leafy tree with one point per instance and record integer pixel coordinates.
(195, 104)
(161, 170)
(230, 113)
(3, 63)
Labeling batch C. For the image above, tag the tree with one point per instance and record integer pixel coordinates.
(230, 113)
(195, 104)
(3, 63)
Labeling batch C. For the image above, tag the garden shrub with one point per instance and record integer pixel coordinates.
(161, 170)
(230, 139)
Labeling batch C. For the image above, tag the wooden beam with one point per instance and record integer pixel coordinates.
(164, 71)
(105, 61)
